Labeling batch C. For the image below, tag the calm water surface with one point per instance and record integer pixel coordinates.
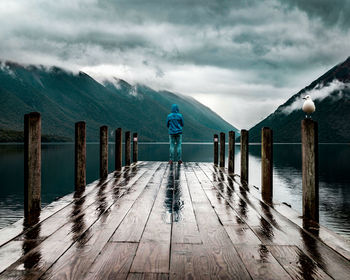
(58, 174)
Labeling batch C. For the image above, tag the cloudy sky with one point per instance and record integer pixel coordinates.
(242, 58)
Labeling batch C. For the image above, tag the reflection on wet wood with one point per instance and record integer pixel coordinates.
(185, 229)
(153, 220)
(260, 262)
(155, 242)
(296, 263)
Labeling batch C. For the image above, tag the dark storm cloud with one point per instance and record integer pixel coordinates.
(331, 12)
(252, 51)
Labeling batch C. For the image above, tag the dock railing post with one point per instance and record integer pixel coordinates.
(32, 164)
(309, 139)
(127, 148)
(231, 151)
(216, 149)
(266, 164)
(103, 151)
(134, 147)
(118, 149)
(80, 156)
(222, 149)
(244, 156)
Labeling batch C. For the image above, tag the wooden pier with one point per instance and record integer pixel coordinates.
(152, 220)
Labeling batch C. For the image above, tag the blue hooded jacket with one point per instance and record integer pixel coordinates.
(175, 121)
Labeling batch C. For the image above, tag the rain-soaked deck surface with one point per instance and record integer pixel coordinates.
(155, 221)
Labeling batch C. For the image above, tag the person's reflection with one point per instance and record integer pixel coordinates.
(173, 192)
(168, 202)
(177, 203)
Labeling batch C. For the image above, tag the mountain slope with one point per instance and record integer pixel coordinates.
(64, 98)
(331, 94)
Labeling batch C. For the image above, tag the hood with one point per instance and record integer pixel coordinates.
(174, 108)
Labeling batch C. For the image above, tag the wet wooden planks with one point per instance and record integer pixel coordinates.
(160, 221)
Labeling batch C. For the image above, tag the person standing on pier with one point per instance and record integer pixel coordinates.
(175, 122)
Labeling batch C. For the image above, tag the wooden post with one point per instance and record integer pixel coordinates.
(118, 149)
(244, 156)
(222, 149)
(127, 148)
(103, 151)
(309, 139)
(266, 164)
(216, 149)
(80, 156)
(134, 147)
(231, 151)
(32, 164)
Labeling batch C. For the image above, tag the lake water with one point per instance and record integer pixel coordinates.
(58, 174)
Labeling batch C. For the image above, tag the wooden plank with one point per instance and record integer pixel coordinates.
(266, 224)
(328, 237)
(76, 262)
(218, 247)
(193, 184)
(198, 261)
(132, 227)
(10, 253)
(114, 261)
(242, 234)
(59, 207)
(263, 222)
(76, 231)
(260, 263)
(155, 241)
(39, 232)
(152, 256)
(148, 276)
(190, 261)
(245, 211)
(329, 260)
(221, 206)
(276, 229)
(185, 229)
(15, 230)
(297, 264)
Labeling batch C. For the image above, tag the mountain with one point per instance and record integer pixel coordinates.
(331, 94)
(64, 98)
